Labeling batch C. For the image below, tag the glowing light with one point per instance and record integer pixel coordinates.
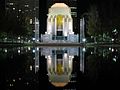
(37, 40)
(36, 22)
(18, 37)
(65, 55)
(19, 10)
(11, 85)
(13, 8)
(11, 3)
(33, 51)
(18, 51)
(49, 61)
(109, 48)
(84, 40)
(31, 21)
(49, 57)
(28, 41)
(31, 67)
(114, 59)
(5, 50)
(59, 21)
(115, 30)
(112, 39)
(112, 50)
(5, 38)
(28, 48)
(37, 66)
(59, 5)
(84, 49)
(27, 83)
(19, 78)
(33, 38)
(13, 80)
(91, 52)
(26, 5)
(37, 49)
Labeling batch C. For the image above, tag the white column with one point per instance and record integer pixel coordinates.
(36, 30)
(82, 60)
(70, 26)
(55, 63)
(67, 25)
(36, 59)
(55, 25)
(49, 25)
(63, 29)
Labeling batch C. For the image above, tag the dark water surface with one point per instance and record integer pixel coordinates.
(59, 68)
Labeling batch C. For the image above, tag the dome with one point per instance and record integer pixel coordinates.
(63, 5)
(60, 84)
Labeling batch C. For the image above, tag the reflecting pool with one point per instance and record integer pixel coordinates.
(59, 68)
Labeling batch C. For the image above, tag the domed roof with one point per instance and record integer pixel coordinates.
(59, 84)
(59, 5)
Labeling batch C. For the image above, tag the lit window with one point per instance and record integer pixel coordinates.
(11, 3)
(73, 7)
(26, 5)
(19, 10)
(13, 8)
(31, 21)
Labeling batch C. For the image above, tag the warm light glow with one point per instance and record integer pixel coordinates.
(59, 21)
(59, 84)
(59, 69)
(59, 5)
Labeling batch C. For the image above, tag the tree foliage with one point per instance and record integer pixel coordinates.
(93, 23)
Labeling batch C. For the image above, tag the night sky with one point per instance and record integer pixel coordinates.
(83, 5)
(108, 9)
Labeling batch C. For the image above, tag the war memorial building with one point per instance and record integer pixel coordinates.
(59, 25)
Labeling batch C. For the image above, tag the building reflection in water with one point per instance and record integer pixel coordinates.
(36, 59)
(59, 63)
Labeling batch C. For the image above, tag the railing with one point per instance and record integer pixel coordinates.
(59, 38)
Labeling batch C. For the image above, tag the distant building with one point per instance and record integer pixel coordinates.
(24, 10)
(59, 25)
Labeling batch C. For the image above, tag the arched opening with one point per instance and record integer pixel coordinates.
(59, 25)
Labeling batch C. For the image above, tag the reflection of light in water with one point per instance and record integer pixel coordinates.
(109, 48)
(33, 51)
(28, 48)
(84, 49)
(112, 50)
(49, 61)
(91, 52)
(59, 64)
(37, 66)
(59, 84)
(36, 51)
(114, 59)
(5, 50)
(31, 67)
(37, 48)
(18, 51)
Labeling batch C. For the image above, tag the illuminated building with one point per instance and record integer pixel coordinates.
(59, 25)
